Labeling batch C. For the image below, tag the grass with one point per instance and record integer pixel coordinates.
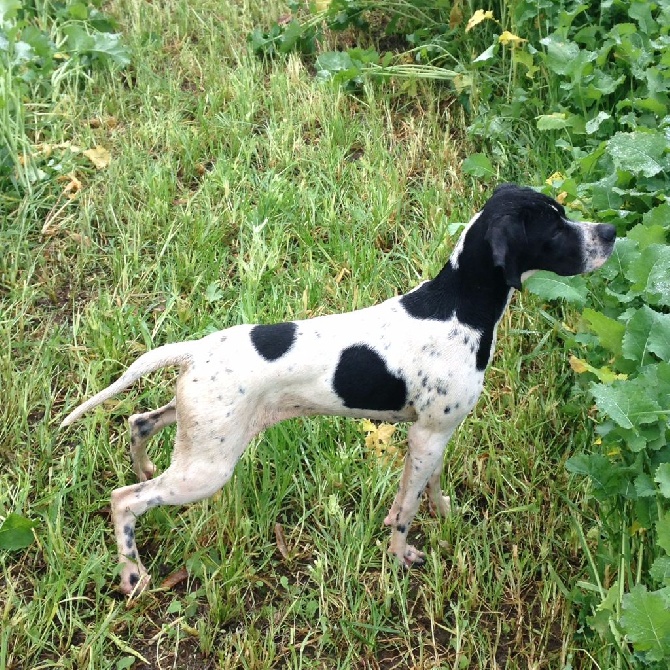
(241, 191)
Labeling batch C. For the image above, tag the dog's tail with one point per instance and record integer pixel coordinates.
(169, 355)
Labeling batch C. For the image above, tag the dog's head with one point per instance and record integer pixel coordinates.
(529, 231)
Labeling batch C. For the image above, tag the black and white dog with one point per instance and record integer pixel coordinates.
(419, 357)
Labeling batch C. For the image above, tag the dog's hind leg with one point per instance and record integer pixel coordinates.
(142, 428)
(190, 477)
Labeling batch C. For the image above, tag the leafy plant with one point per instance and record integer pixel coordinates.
(607, 91)
(16, 532)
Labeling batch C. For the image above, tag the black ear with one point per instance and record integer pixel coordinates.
(507, 237)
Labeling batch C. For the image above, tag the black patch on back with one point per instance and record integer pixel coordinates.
(363, 381)
(273, 341)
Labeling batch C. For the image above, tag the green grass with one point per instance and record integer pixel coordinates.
(242, 191)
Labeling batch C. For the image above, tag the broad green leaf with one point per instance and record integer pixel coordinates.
(336, 65)
(658, 216)
(649, 273)
(660, 570)
(646, 622)
(526, 59)
(39, 41)
(486, 55)
(641, 12)
(78, 40)
(663, 533)
(638, 152)
(554, 121)
(593, 124)
(626, 403)
(662, 478)
(478, 165)
(646, 235)
(650, 105)
(603, 84)
(292, 33)
(78, 10)
(561, 54)
(16, 532)
(603, 195)
(607, 479)
(644, 486)
(647, 332)
(8, 9)
(550, 286)
(111, 45)
(213, 292)
(565, 57)
(609, 331)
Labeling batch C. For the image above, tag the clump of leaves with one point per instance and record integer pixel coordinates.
(16, 532)
(607, 107)
(304, 31)
(304, 28)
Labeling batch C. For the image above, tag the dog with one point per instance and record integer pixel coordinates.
(418, 357)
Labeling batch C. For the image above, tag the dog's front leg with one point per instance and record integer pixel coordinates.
(424, 458)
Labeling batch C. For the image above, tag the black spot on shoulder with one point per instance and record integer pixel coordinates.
(273, 341)
(363, 381)
(133, 579)
(433, 300)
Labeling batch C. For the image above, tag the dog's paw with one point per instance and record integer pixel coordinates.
(413, 556)
(134, 580)
(147, 471)
(408, 556)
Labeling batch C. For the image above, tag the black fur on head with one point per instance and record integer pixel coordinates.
(527, 230)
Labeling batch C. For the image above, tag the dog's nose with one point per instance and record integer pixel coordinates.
(606, 232)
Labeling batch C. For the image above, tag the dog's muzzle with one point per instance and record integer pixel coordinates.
(599, 241)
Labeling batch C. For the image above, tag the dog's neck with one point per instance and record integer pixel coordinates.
(469, 287)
